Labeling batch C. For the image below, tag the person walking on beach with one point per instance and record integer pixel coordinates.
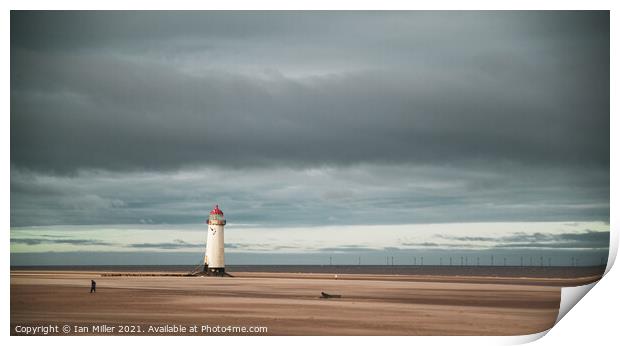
(93, 286)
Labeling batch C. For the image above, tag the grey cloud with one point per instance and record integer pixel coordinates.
(424, 244)
(569, 240)
(258, 247)
(406, 246)
(145, 117)
(423, 87)
(464, 245)
(466, 238)
(37, 241)
(589, 236)
(556, 245)
(588, 239)
(176, 244)
(579, 240)
(347, 249)
(383, 194)
(285, 247)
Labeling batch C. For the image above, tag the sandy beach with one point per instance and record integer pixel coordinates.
(287, 304)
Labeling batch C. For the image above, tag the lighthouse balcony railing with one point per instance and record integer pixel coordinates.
(217, 222)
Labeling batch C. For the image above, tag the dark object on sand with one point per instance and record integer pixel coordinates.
(327, 296)
(93, 286)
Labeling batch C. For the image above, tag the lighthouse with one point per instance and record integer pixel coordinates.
(214, 256)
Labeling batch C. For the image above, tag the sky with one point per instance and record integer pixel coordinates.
(342, 134)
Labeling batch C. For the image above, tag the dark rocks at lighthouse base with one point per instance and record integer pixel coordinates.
(221, 272)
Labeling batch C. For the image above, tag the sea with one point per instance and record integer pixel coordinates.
(455, 270)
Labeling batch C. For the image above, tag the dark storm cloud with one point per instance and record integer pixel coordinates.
(309, 118)
(119, 90)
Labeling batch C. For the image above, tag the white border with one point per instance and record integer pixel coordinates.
(592, 321)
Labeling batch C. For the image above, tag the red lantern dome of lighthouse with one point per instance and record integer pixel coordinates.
(216, 217)
(216, 210)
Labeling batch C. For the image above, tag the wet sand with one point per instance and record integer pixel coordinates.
(287, 304)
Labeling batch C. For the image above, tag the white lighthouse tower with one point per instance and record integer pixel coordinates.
(214, 257)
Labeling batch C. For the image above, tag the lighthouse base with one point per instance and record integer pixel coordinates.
(210, 271)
